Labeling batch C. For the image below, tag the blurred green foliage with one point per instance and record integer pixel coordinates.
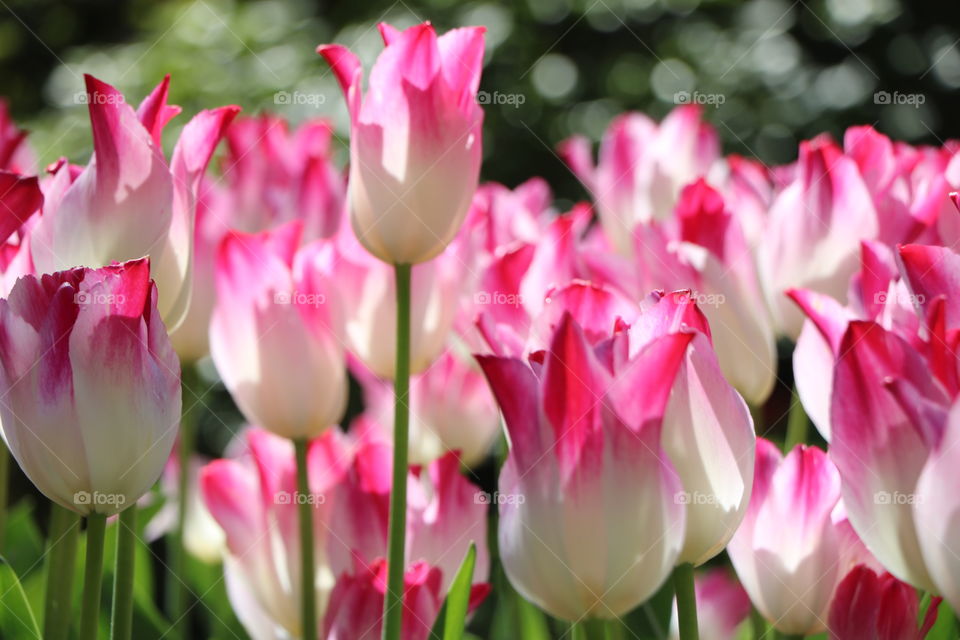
(783, 70)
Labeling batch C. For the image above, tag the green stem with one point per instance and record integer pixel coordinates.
(790, 636)
(686, 602)
(176, 589)
(122, 618)
(797, 423)
(61, 560)
(393, 602)
(591, 629)
(93, 573)
(308, 597)
(4, 492)
(758, 623)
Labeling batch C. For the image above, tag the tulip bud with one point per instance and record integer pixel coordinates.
(91, 385)
(275, 333)
(793, 546)
(415, 140)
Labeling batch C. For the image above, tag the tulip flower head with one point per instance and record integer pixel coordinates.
(91, 385)
(415, 142)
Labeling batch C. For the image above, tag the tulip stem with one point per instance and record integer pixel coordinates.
(122, 618)
(177, 588)
(61, 560)
(93, 574)
(308, 598)
(4, 492)
(393, 602)
(758, 623)
(591, 629)
(797, 423)
(686, 602)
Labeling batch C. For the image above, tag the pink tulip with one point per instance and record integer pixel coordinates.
(15, 154)
(356, 603)
(814, 229)
(128, 202)
(936, 512)
(451, 409)
(722, 605)
(793, 546)
(589, 523)
(415, 143)
(445, 514)
(367, 288)
(256, 505)
(275, 334)
(274, 175)
(642, 167)
(91, 385)
(872, 606)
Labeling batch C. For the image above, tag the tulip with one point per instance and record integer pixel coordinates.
(356, 603)
(935, 512)
(415, 142)
(256, 505)
(15, 154)
(722, 606)
(642, 167)
(274, 334)
(274, 175)
(814, 229)
(445, 514)
(91, 426)
(368, 291)
(127, 202)
(589, 523)
(890, 418)
(790, 549)
(877, 606)
(451, 409)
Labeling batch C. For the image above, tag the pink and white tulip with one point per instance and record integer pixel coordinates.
(128, 202)
(91, 385)
(793, 547)
(415, 143)
(589, 521)
(275, 335)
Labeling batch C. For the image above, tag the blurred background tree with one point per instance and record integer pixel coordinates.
(784, 70)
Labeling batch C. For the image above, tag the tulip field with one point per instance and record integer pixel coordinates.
(276, 378)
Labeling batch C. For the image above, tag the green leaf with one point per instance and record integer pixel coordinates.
(945, 626)
(651, 620)
(16, 616)
(452, 618)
